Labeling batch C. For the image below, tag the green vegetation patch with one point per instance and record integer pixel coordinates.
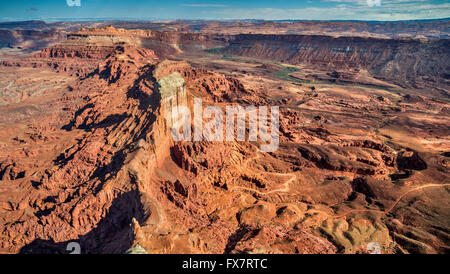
(214, 50)
(285, 74)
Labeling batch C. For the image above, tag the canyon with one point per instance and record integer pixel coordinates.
(87, 156)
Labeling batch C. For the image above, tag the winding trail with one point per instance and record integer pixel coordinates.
(285, 184)
(284, 189)
(294, 177)
(393, 205)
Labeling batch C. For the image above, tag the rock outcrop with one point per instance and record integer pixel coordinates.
(90, 157)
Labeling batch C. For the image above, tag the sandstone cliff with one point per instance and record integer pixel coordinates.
(407, 62)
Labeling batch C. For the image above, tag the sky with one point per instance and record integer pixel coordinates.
(370, 10)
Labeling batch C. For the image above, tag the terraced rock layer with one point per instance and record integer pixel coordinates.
(407, 62)
(93, 161)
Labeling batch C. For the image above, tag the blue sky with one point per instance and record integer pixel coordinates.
(383, 10)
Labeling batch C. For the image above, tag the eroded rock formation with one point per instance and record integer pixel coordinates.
(90, 158)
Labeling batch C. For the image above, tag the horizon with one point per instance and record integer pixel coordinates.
(232, 10)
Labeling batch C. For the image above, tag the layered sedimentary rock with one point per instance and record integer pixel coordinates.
(407, 62)
(164, 43)
(81, 55)
(93, 161)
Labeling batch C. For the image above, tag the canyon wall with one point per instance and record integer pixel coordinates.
(404, 61)
(29, 39)
(164, 43)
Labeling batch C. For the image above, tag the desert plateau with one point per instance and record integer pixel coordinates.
(87, 154)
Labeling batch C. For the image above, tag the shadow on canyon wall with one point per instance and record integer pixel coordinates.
(113, 233)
